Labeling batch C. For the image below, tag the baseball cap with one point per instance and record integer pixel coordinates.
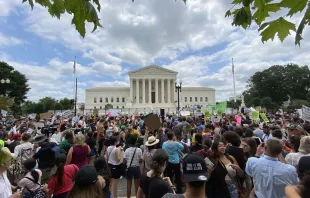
(194, 168)
(87, 175)
(200, 128)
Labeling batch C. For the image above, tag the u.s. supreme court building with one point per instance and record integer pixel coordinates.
(151, 87)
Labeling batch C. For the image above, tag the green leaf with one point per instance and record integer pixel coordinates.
(280, 26)
(92, 15)
(263, 10)
(237, 2)
(294, 6)
(30, 3)
(44, 3)
(98, 4)
(242, 17)
(246, 3)
(57, 8)
(77, 8)
(228, 13)
(305, 21)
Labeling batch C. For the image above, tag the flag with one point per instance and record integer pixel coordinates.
(74, 66)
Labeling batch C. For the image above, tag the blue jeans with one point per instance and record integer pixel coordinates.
(233, 191)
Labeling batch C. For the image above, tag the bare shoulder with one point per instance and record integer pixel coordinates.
(292, 192)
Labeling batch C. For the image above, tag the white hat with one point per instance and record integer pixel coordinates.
(151, 141)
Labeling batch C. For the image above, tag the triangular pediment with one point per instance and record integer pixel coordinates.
(153, 69)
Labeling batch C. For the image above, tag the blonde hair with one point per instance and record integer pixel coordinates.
(305, 144)
(79, 140)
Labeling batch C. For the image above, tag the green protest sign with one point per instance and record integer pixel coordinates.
(221, 107)
(207, 114)
(264, 117)
(255, 115)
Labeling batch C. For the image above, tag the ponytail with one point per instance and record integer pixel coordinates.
(305, 185)
(35, 175)
(60, 172)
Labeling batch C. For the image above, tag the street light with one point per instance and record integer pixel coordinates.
(178, 88)
(5, 81)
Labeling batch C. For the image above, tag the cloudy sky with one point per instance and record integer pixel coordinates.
(195, 40)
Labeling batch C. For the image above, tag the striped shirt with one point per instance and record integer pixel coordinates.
(136, 158)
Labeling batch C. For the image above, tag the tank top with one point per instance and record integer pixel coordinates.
(80, 156)
(111, 156)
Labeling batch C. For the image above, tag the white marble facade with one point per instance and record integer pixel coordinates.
(150, 87)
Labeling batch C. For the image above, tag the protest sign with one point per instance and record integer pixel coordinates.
(184, 113)
(198, 113)
(238, 119)
(264, 117)
(3, 112)
(305, 113)
(221, 107)
(46, 115)
(32, 116)
(152, 122)
(255, 115)
(66, 113)
(207, 114)
(114, 112)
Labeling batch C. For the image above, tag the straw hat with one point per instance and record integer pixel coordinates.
(151, 141)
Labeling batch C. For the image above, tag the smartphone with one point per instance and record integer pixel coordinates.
(208, 162)
(258, 140)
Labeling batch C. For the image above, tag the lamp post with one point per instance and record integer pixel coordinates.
(178, 88)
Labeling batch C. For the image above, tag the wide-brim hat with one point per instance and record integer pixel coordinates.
(151, 141)
(39, 139)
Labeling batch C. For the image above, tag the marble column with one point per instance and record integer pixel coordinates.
(150, 91)
(173, 91)
(156, 90)
(162, 91)
(131, 90)
(168, 91)
(137, 91)
(143, 91)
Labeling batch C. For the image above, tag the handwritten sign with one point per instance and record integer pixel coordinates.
(255, 115)
(46, 115)
(264, 117)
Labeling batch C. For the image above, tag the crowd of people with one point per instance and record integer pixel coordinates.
(187, 157)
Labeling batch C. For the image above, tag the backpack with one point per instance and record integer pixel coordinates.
(39, 193)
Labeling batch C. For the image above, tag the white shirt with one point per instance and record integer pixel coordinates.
(5, 186)
(57, 136)
(24, 146)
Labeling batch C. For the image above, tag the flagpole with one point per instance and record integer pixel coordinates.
(75, 99)
(233, 72)
(74, 84)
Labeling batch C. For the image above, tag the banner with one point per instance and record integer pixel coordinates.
(264, 117)
(32, 116)
(184, 113)
(66, 113)
(114, 112)
(207, 114)
(238, 119)
(255, 115)
(305, 113)
(46, 115)
(221, 107)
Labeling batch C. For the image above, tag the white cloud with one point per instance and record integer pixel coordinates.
(9, 40)
(196, 37)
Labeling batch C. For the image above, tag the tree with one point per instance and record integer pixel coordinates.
(308, 96)
(246, 12)
(15, 86)
(58, 106)
(279, 83)
(258, 11)
(48, 103)
(66, 104)
(255, 102)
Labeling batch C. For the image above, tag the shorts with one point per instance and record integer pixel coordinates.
(133, 172)
(115, 171)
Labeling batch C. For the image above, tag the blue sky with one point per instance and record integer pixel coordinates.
(195, 40)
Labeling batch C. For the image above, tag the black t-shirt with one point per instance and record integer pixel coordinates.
(154, 187)
(91, 142)
(158, 188)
